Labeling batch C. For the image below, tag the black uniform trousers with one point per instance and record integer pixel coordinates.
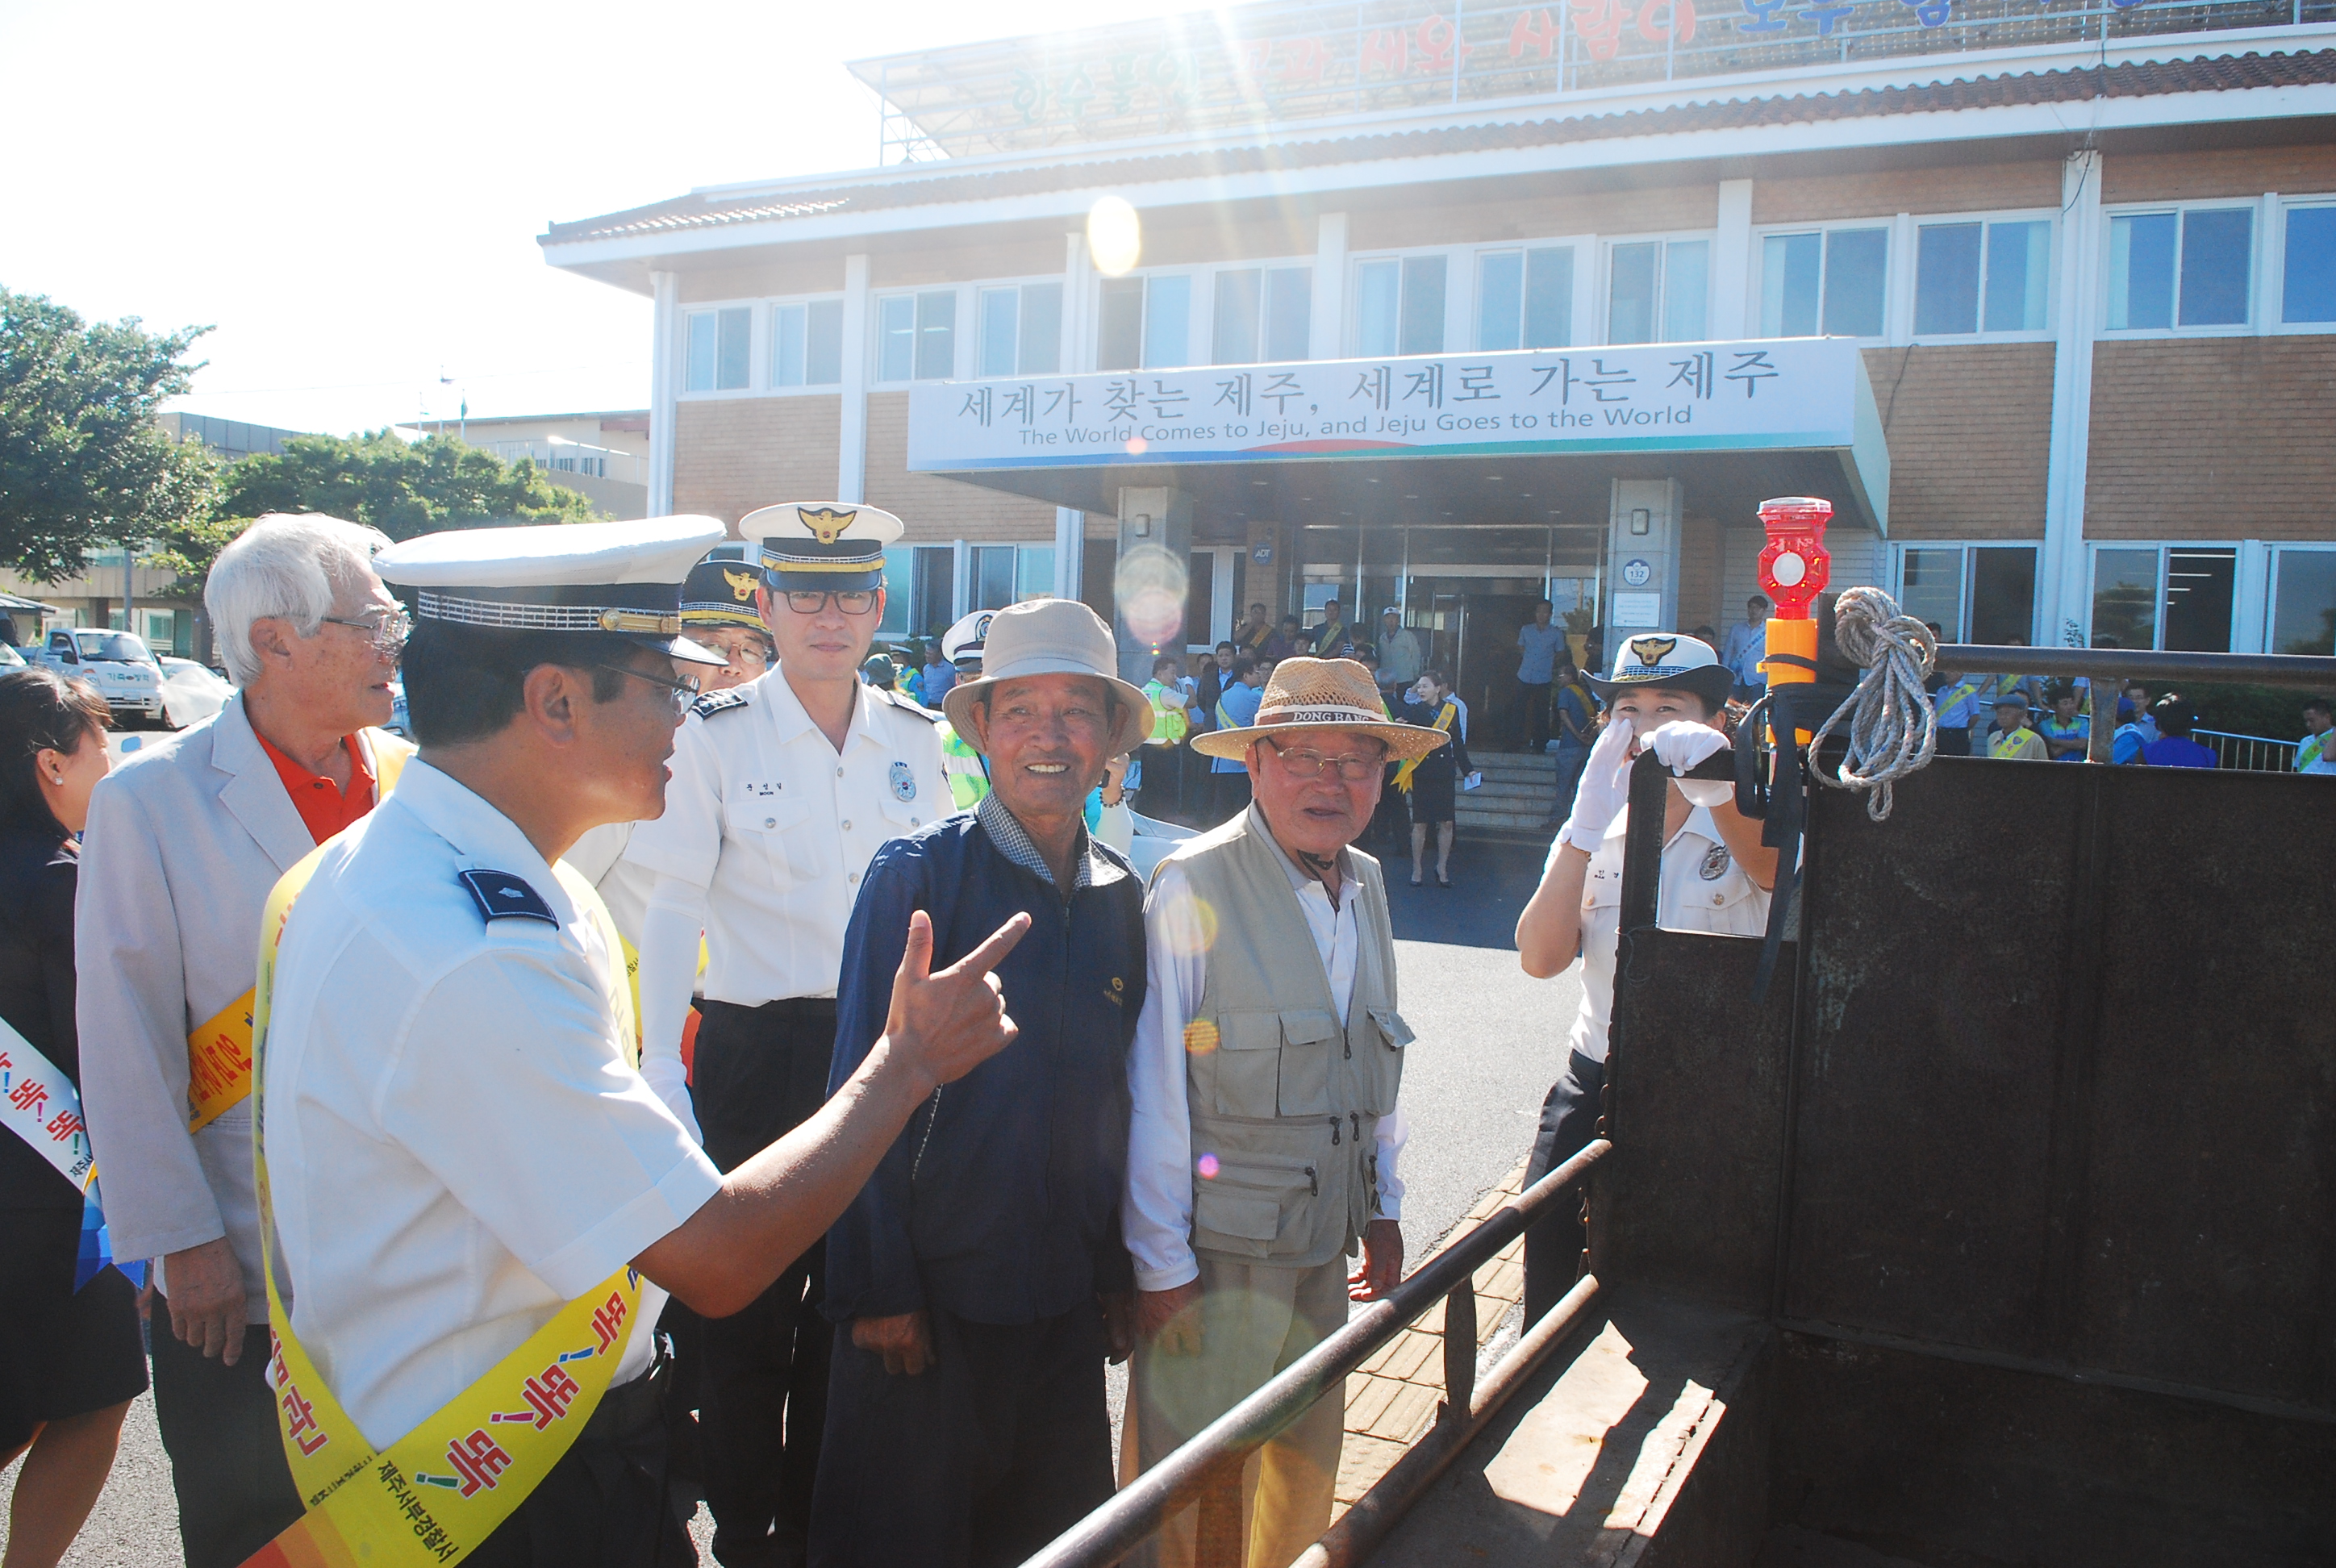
(609, 1502)
(1554, 1244)
(762, 1385)
(977, 1462)
(227, 1461)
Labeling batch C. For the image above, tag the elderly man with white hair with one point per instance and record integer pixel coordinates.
(183, 844)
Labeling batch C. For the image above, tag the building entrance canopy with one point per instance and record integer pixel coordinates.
(1513, 436)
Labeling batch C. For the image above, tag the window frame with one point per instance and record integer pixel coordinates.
(769, 333)
(2165, 547)
(2279, 550)
(1960, 632)
(758, 349)
(1200, 311)
(1905, 309)
(2256, 283)
(1459, 297)
(972, 301)
(2274, 307)
(1603, 287)
(1474, 258)
(1756, 274)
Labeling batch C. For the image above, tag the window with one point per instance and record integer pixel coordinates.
(1525, 298)
(2185, 269)
(2303, 602)
(1034, 571)
(993, 576)
(917, 336)
(1146, 323)
(1977, 593)
(1022, 330)
(1262, 314)
(1400, 306)
(720, 348)
(1974, 277)
(900, 565)
(1657, 291)
(933, 589)
(2175, 596)
(1830, 283)
(807, 344)
(2310, 289)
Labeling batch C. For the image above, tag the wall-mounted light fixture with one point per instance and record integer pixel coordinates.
(1641, 519)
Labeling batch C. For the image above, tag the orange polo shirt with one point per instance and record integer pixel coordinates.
(322, 804)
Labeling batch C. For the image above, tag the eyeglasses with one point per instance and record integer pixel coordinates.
(388, 629)
(679, 693)
(1313, 763)
(851, 601)
(748, 648)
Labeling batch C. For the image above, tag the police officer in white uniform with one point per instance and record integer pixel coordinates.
(457, 1141)
(1667, 694)
(783, 789)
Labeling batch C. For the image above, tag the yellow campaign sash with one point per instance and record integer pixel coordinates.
(1443, 722)
(218, 1050)
(437, 1493)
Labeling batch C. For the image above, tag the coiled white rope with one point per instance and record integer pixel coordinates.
(1893, 729)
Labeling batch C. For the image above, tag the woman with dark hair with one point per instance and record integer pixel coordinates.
(72, 1360)
(1430, 784)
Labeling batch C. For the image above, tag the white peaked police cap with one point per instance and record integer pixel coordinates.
(620, 578)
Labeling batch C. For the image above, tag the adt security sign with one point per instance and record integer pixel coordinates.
(1637, 573)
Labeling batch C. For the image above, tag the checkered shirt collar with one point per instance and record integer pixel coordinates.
(1006, 830)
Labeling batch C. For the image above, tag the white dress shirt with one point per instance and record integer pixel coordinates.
(1702, 889)
(1158, 1215)
(766, 832)
(456, 1144)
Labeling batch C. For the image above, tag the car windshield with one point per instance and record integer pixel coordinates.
(114, 644)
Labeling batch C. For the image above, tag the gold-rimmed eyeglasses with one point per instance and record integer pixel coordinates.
(1313, 763)
(388, 629)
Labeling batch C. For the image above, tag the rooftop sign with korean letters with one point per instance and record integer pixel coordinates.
(1792, 395)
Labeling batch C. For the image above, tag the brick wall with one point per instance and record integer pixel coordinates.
(2233, 171)
(1970, 428)
(1532, 210)
(936, 509)
(1875, 193)
(2213, 438)
(732, 456)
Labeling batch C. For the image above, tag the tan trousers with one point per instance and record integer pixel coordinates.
(1255, 1320)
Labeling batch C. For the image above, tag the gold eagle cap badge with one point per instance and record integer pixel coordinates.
(1652, 650)
(742, 584)
(826, 523)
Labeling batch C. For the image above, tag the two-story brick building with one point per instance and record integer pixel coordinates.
(2040, 297)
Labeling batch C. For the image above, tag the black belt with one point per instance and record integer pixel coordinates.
(786, 1009)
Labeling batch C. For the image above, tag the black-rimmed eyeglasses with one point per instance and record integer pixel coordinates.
(680, 693)
(810, 601)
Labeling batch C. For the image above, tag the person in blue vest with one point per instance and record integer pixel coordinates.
(979, 1282)
(2065, 730)
(2174, 747)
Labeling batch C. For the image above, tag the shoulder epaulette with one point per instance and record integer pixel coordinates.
(501, 896)
(909, 705)
(716, 702)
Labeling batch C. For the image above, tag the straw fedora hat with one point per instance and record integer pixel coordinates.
(1051, 637)
(1321, 693)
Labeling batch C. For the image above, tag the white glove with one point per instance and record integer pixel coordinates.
(1681, 745)
(1604, 791)
(670, 1080)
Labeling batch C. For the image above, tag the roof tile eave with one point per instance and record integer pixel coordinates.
(2226, 72)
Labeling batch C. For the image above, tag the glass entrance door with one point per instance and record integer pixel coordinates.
(1468, 629)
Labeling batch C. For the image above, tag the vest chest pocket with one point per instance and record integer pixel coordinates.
(1271, 1064)
(1378, 1061)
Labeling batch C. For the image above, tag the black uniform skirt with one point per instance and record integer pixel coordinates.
(1433, 789)
(66, 1353)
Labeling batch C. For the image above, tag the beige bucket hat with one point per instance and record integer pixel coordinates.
(1321, 693)
(1051, 637)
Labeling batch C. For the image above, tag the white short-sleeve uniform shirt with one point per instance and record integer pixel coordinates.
(457, 1144)
(777, 827)
(1703, 890)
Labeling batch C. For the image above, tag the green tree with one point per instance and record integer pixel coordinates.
(83, 464)
(401, 489)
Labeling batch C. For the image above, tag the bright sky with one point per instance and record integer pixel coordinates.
(351, 195)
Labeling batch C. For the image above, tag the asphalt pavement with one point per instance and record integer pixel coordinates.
(1487, 1051)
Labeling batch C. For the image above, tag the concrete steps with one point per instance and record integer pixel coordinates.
(1515, 799)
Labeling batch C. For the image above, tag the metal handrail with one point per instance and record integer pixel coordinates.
(2310, 671)
(1215, 1455)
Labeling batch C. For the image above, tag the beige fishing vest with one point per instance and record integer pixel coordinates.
(1284, 1100)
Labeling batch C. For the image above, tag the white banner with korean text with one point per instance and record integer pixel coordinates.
(1775, 395)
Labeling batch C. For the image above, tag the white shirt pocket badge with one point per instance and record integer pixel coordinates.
(904, 782)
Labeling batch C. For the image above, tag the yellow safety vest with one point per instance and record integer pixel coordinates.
(436, 1494)
(219, 1049)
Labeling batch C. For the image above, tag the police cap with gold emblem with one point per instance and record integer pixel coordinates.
(830, 546)
(721, 593)
(622, 578)
(1665, 659)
